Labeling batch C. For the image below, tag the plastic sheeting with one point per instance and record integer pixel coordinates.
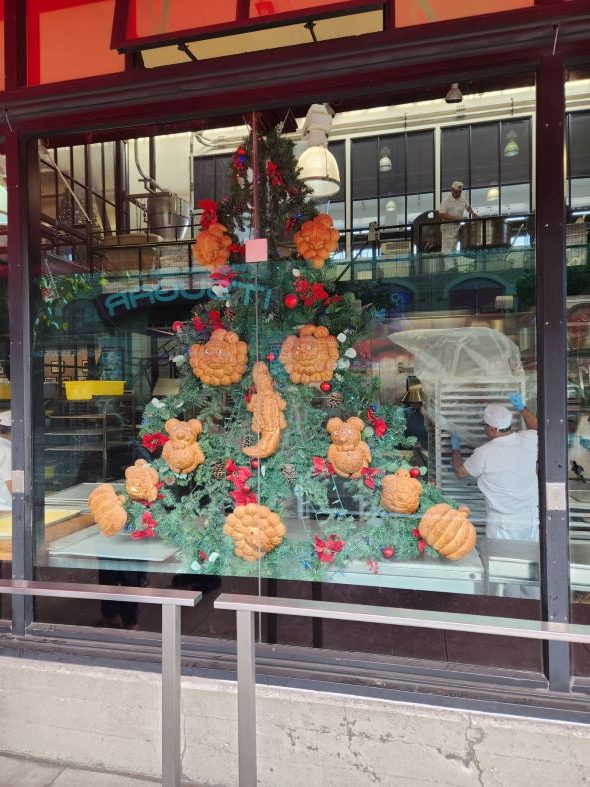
(465, 358)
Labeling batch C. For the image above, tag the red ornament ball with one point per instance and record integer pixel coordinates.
(415, 472)
(270, 357)
(388, 552)
(245, 489)
(255, 464)
(421, 545)
(325, 387)
(291, 301)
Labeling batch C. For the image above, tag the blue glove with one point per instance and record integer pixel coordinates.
(517, 401)
(455, 441)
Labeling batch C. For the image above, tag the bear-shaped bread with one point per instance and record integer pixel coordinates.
(348, 454)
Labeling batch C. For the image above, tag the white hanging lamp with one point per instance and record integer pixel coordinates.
(317, 166)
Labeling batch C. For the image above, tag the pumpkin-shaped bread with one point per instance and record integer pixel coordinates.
(213, 246)
(255, 530)
(316, 240)
(310, 357)
(220, 361)
(401, 493)
(448, 531)
(106, 506)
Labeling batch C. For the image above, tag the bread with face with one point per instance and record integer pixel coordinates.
(310, 357)
(220, 361)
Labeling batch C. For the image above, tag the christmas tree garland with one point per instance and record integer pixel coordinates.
(264, 315)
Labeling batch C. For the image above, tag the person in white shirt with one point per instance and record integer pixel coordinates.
(453, 207)
(5, 461)
(506, 471)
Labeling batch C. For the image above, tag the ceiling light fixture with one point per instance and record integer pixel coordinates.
(385, 164)
(493, 194)
(454, 95)
(390, 206)
(511, 148)
(318, 167)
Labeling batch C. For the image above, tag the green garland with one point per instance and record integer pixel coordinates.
(324, 532)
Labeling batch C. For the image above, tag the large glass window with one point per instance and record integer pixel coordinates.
(578, 163)
(493, 161)
(392, 179)
(346, 381)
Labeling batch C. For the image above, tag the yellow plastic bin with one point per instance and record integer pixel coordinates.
(77, 390)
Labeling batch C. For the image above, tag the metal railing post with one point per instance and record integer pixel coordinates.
(171, 754)
(246, 607)
(170, 601)
(246, 698)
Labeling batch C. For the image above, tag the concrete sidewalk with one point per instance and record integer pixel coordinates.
(24, 772)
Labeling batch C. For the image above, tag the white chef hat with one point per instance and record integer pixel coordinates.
(456, 184)
(498, 416)
(5, 418)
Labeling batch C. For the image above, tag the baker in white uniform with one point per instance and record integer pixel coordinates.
(453, 207)
(5, 461)
(506, 471)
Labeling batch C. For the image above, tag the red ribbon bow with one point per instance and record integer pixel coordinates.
(153, 441)
(236, 475)
(149, 525)
(223, 276)
(274, 174)
(368, 474)
(311, 293)
(378, 424)
(209, 215)
(321, 466)
(326, 550)
(212, 320)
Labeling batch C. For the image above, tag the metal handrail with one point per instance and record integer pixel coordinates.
(171, 601)
(246, 607)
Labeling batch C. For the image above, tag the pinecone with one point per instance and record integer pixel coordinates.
(248, 440)
(219, 470)
(269, 317)
(289, 473)
(230, 315)
(335, 399)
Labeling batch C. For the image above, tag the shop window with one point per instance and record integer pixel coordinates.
(126, 324)
(398, 171)
(578, 161)
(212, 177)
(493, 161)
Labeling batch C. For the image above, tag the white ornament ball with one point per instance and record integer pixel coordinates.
(195, 566)
(350, 353)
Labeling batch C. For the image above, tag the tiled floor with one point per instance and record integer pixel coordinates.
(22, 772)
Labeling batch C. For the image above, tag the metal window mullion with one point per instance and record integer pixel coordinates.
(552, 363)
(23, 249)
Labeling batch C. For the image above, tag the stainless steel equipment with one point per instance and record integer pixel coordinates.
(484, 233)
(168, 215)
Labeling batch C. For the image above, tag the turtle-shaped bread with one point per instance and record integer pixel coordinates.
(255, 530)
(401, 493)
